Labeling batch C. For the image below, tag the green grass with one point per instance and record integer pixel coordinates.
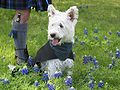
(103, 14)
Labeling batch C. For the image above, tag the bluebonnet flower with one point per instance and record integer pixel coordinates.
(110, 66)
(36, 68)
(105, 37)
(57, 74)
(68, 81)
(118, 33)
(82, 43)
(50, 86)
(117, 53)
(24, 70)
(85, 31)
(36, 83)
(96, 30)
(85, 59)
(6, 81)
(91, 84)
(31, 61)
(113, 61)
(100, 84)
(95, 62)
(45, 77)
(96, 38)
(72, 88)
(110, 33)
(90, 58)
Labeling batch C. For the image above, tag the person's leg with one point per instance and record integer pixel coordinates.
(19, 31)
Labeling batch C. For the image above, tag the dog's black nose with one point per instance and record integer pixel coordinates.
(52, 35)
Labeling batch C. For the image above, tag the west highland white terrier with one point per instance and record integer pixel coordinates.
(56, 55)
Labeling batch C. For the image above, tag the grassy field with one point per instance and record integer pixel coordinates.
(100, 40)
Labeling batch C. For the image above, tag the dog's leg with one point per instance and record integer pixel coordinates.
(53, 66)
(68, 63)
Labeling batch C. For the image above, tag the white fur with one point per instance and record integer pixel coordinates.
(68, 20)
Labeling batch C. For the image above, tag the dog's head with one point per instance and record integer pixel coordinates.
(61, 25)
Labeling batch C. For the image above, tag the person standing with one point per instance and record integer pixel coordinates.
(20, 23)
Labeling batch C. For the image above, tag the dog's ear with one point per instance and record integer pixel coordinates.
(51, 10)
(72, 13)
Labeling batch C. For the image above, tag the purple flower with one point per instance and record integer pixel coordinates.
(95, 62)
(118, 33)
(24, 71)
(96, 38)
(90, 58)
(36, 83)
(85, 31)
(57, 74)
(118, 53)
(110, 33)
(100, 84)
(36, 68)
(68, 81)
(105, 37)
(31, 61)
(50, 86)
(85, 59)
(45, 77)
(6, 81)
(91, 84)
(72, 88)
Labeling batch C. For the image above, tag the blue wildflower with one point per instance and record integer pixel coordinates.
(110, 33)
(96, 38)
(117, 53)
(100, 84)
(90, 58)
(96, 30)
(6, 81)
(113, 61)
(36, 83)
(30, 61)
(85, 59)
(57, 74)
(36, 68)
(95, 62)
(85, 31)
(24, 71)
(72, 88)
(82, 43)
(91, 84)
(68, 81)
(105, 37)
(118, 33)
(45, 77)
(50, 86)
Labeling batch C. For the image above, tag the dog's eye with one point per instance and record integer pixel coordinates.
(61, 26)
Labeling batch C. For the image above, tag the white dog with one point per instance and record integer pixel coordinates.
(56, 54)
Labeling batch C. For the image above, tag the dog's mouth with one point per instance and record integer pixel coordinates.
(56, 41)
